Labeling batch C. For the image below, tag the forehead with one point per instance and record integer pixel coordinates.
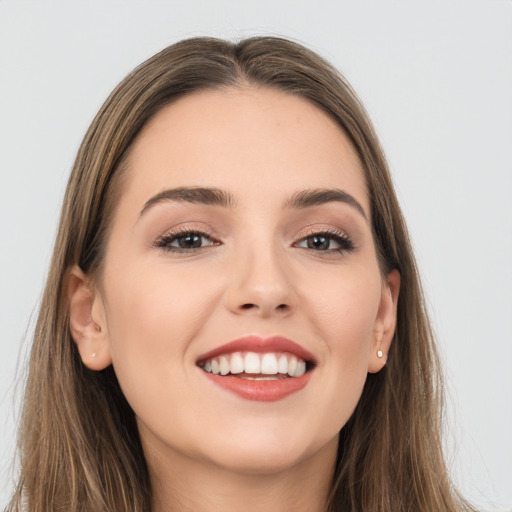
(250, 141)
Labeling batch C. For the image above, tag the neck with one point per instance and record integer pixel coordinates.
(187, 485)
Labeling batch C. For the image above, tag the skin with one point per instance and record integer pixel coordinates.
(154, 311)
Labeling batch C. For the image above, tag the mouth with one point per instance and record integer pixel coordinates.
(254, 368)
(257, 366)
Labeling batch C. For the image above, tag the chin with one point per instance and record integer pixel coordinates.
(273, 455)
(260, 462)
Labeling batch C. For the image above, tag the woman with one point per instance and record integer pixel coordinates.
(233, 316)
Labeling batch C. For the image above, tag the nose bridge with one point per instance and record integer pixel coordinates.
(260, 278)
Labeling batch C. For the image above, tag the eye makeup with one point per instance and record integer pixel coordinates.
(322, 241)
(185, 240)
(190, 240)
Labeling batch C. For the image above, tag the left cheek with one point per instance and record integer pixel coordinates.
(344, 315)
(351, 306)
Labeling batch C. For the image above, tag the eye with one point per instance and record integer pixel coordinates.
(185, 241)
(327, 241)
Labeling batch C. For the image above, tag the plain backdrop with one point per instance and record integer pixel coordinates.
(436, 78)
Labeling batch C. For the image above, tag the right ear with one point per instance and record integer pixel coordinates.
(87, 320)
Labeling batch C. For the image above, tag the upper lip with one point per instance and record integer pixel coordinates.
(258, 344)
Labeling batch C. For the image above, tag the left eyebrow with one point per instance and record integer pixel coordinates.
(316, 197)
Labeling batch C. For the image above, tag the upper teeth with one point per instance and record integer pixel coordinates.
(269, 363)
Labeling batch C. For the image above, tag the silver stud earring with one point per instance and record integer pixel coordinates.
(379, 353)
(93, 355)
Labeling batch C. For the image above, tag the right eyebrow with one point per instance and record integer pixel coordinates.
(197, 195)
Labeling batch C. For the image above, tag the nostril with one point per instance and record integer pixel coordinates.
(250, 305)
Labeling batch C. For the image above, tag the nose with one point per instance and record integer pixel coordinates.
(261, 283)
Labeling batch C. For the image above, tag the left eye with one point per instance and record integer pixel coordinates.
(175, 242)
(326, 242)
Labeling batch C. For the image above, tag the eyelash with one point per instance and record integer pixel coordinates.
(341, 238)
(165, 241)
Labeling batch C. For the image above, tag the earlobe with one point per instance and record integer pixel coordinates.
(87, 320)
(385, 323)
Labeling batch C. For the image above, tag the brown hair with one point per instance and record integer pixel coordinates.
(72, 458)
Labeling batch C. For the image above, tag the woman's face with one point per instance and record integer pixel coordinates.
(243, 240)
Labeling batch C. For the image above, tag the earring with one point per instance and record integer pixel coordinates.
(93, 355)
(379, 353)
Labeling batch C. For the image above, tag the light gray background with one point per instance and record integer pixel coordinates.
(436, 78)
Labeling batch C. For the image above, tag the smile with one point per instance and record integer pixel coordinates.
(251, 364)
(259, 369)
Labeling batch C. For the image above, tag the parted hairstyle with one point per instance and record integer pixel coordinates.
(79, 447)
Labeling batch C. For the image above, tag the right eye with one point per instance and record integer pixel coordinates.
(185, 241)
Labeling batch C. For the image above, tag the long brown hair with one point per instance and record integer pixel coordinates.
(75, 458)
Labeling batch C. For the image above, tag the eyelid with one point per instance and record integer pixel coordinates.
(163, 241)
(347, 245)
(323, 230)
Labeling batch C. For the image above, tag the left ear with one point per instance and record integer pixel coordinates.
(385, 323)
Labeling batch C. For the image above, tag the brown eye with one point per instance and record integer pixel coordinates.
(327, 242)
(190, 241)
(187, 241)
(320, 243)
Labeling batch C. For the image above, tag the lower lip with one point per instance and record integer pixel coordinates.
(260, 390)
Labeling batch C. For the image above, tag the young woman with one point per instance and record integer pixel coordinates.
(233, 317)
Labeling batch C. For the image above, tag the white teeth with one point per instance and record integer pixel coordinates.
(237, 363)
(292, 366)
(282, 365)
(269, 364)
(301, 368)
(252, 363)
(224, 365)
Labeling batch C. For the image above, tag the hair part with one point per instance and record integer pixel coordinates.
(79, 445)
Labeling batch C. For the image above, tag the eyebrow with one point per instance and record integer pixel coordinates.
(196, 195)
(316, 197)
(217, 197)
